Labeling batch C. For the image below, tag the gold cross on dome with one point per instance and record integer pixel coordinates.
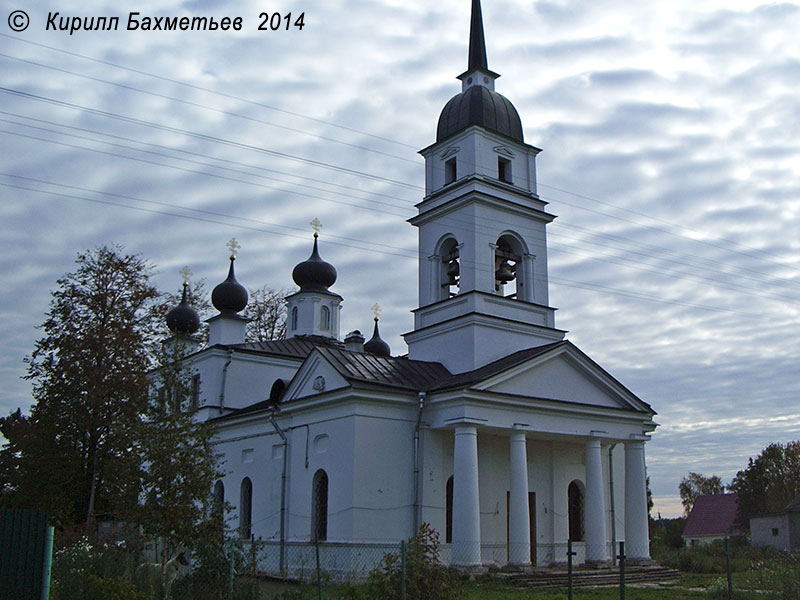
(234, 247)
(376, 310)
(316, 225)
(186, 273)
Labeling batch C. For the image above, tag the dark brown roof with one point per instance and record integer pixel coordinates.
(493, 368)
(396, 372)
(713, 515)
(294, 347)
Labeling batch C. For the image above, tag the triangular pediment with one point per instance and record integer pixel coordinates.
(315, 376)
(564, 374)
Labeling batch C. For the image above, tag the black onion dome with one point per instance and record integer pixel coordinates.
(183, 318)
(230, 296)
(376, 345)
(478, 105)
(314, 274)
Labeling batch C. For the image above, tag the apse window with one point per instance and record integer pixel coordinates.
(504, 170)
(450, 171)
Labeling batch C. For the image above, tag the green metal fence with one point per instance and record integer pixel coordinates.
(26, 550)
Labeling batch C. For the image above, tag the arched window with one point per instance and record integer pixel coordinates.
(449, 276)
(325, 318)
(575, 495)
(509, 274)
(319, 506)
(294, 318)
(218, 502)
(448, 512)
(246, 508)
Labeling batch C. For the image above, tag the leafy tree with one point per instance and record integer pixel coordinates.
(770, 482)
(266, 310)
(73, 455)
(179, 465)
(695, 485)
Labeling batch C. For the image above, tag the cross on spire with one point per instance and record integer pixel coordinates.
(186, 273)
(234, 247)
(316, 225)
(376, 310)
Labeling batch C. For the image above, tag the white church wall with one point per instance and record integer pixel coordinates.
(437, 468)
(493, 477)
(329, 435)
(249, 453)
(248, 377)
(383, 488)
(540, 481)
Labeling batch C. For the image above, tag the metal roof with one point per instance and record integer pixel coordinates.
(294, 347)
(398, 372)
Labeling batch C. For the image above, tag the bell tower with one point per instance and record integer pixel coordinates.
(483, 290)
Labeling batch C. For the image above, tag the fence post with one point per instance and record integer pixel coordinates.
(48, 562)
(319, 573)
(728, 567)
(402, 570)
(570, 554)
(231, 570)
(621, 558)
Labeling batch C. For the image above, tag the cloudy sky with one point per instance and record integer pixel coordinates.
(671, 155)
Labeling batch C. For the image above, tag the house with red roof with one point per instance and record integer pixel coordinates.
(713, 518)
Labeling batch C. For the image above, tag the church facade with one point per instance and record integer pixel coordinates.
(494, 429)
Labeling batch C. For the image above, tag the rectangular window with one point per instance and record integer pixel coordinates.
(450, 171)
(504, 170)
(775, 532)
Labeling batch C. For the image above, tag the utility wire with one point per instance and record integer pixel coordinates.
(202, 136)
(411, 253)
(206, 107)
(209, 90)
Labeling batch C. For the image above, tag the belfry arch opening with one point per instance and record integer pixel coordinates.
(509, 267)
(449, 268)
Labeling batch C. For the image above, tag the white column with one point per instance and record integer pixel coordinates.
(637, 543)
(519, 525)
(466, 546)
(595, 505)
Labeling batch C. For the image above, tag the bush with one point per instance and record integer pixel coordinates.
(94, 571)
(426, 577)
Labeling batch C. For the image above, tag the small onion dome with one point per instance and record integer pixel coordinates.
(314, 274)
(376, 345)
(183, 318)
(230, 296)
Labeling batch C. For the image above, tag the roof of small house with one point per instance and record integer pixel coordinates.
(713, 515)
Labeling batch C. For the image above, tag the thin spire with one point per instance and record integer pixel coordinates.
(477, 43)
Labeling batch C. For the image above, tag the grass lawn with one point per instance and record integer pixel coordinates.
(691, 586)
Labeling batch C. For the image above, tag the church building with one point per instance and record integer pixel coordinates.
(493, 428)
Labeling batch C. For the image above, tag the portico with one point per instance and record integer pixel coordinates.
(533, 464)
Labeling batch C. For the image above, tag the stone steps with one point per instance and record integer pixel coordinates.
(593, 577)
